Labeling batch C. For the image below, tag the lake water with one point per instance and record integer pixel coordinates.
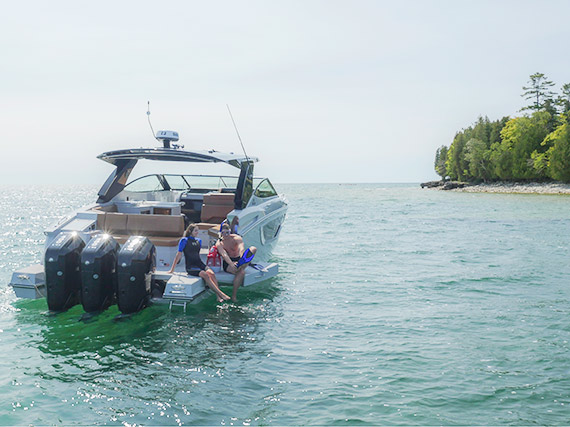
(394, 306)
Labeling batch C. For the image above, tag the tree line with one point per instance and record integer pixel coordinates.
(533, 147)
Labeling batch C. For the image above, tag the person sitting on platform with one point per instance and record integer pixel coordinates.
(190, 246)
(235, 257)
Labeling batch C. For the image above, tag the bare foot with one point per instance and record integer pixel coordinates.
(222, 297)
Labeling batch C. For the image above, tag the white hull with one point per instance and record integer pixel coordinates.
(154, 209)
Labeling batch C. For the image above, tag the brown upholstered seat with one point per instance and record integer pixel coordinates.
(216, 207)
(162, 230)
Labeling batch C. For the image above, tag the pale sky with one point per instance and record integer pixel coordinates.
(322, 91)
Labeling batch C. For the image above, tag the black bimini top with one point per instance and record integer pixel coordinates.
(125, 161)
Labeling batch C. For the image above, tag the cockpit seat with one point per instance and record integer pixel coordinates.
(162, 230)
(216, 207)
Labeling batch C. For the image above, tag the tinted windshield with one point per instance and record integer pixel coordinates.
(202, 183)
(145, 184)
(264, 189)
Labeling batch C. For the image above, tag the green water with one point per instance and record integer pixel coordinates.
(394, 306)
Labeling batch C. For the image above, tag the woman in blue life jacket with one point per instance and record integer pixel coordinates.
(190, 246)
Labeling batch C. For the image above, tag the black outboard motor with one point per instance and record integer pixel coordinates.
(99, 273)
(61, 263)
(136, 262)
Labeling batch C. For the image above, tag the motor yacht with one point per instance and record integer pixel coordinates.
(121, 247)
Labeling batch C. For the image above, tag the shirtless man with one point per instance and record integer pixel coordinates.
(231, 249)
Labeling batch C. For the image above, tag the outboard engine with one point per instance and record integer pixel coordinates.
(136, 262)
(61, 263)
(99, 273)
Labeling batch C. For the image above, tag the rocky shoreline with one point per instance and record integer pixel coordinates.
(501, 187)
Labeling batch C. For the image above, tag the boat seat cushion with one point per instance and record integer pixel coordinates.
(155, 240)
(216, 207)
(215, 213)
(156, 225)
(225, 199)
(112, 223)
(162, 230)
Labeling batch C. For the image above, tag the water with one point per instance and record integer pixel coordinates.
(394, 306)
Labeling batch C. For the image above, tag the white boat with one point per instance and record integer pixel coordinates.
(102, 249)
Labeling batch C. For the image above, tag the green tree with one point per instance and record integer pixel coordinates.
(563, 99)
(482, 130)
(501, 158)
(495, 131)
(534, 146)
(538, 91)
(440, 161)
(520, 138)
(554, 120)
(540, 162)
(456, 164)
(477, 156)
(559, 153)
(469, 156)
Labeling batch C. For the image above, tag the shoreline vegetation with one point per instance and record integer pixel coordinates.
(505, 187)
(526, 154)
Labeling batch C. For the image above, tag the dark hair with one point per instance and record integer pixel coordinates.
(225, 226)
(189, 230)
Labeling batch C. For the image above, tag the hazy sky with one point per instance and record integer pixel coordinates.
(322, 91)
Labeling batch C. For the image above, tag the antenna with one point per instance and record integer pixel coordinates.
(164, 136)
(149, 123)
(239, 137)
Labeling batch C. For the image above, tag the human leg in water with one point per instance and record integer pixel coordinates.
(210, 279)
(238, 280)
(239, 269)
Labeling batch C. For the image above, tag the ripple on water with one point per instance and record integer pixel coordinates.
(393, 306)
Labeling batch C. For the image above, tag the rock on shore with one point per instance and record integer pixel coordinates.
(444, 185)
(501, 187)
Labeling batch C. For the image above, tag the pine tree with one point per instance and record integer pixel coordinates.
(538, 91)
(456, 165)
(563, 99)
(440, 161)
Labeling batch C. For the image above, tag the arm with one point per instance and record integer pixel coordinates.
(223, 253)
(176, 259)
(181, 246)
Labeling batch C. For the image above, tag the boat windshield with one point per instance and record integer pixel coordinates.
(202, 182)
(195, 183)
(263, 188)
